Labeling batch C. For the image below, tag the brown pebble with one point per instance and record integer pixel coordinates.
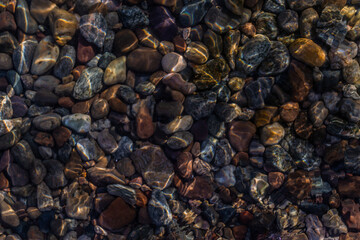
(7, 22)
(276, 179)
(61, 135)
(66, 102)
(180, 44)
(145, 127)
(44, 139)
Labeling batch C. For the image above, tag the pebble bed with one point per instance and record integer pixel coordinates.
(180, 119)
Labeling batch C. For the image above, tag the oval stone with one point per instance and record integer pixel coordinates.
(45, 56)
(89, 83)
(144, 59)
(115, 71)
(307, 51)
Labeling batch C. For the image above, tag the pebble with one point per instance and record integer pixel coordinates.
(159, 210)
(117, 215)
(40, 9)
(144, 59)
(78, 202)
(5, 61)
(24, 19)
(78, 122)
(6, 110)
(197, 52)
(180, 140)
(176, 82)
(7, 22)
(274, 66)
(93, 28)
(125, 41)
(55, 177)
(99, 108)
(173, 62)
(163, 23)
(288, 20)
(115, 72)
(23, 55)
(225, 176)
(89, 83)
(8, 42)
(213, 42)
(147, 160)
(300, 79)
(278, 158)
(246, 60)
(240, 134)
(145, 127)
(317, 113)
(133, 17)
(63, 25)
(272, 134)
(8, 215)
(47, 122)
(192, 14)
(45, 56)
(200, 106)
(217, 20)
(307, 51)
(263, 86)
(66, 61)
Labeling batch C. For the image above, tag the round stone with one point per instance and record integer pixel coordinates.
(93, 28)
(115, 71)
(89, 83)
(272, 134)
(47, 122)
(173, 62)
(307, 51)
(143, 59)
(45, 56)
(197, 52)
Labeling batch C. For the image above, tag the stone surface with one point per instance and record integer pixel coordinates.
(144, 60)
(115, 72)
(78, 122)
(24, 19)
(173, 62)
(158, 208)
(45, 56)
(93, 28)
(23, 55)
(63, 25)
(307, 51)
(89, 83)
(240, 134)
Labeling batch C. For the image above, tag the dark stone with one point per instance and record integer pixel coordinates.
(163, 23)
(133, 17)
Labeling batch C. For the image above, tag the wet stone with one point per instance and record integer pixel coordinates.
(163, 23)
(193, 13)
(289, 111)
(302, 4)
(117, 215)
(225, 176)
(276, 179)
(266, 25)
(44, 97)
(180, 140)
(272, 134)
(317, 113)
(17, 175)
(300, 77)
(40, 9)
(173, 62)
(23, 154)
(259, 186)
(45, 201)
(47, 122)
(133, 17)
(227, 112)
(154, 166)
(89, 83)
(231, 44)
(218, 21)
(200, 106)
(23, 56)
(66, 61)
(262, 85)
(246, 59)
(273, 66)
(55, 177)
(298, 184)
(197, 52)
(307, 51)
(145, 127)
(88, 149)
(144, 59)
(6, 110)
(100, 108)
(126, 94)
(240, 134)
(63, 25)
(223, 153)
(351, 71)
(45, 56)
(93, 28)
(78, 202)
(24, 19)
(5, 62)
(7, 22)
(277, 157)
(307, 23)
(115, 71)
(288, 20)
(8, 42)
(176, 82)
(275, 6)
(333, 222)
(8, 215)
(78, 122)
(158, 208)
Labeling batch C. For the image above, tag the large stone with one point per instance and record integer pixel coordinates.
(240, 134)
(144, 59)
(154, 166)
(45, 56)
(66, 61)
(63, 25)
(78, 122)
(307, 51)
(89, 83)
(159, 210)
(117, 215)
(115, 71)
(93, 28)
(24, 19)
(47, 122)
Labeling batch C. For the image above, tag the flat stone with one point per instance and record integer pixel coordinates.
(196, 52)
(8, 215)
(117, 215)
(89, 83)
(47, 122)
(125, 41)
(144, 59)
(78, 122)
(66, 61)
(18, 176)
(45, 201)
(115, 71)
(147, 160)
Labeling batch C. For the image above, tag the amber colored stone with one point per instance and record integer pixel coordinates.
(61, 135)
(299, 184)
(184, 165)
(351, 214)
(276, 179)
(117, 105)
(180, 44)
(76, 72)
(248, 29)
(73, 168)
(4, 182)
(145, 127)
(66, 102)
(335, 152)
(240, 134)
(141, 199)
(301, 80)
(81, 107)
(239, 232)
(349, 187)
(246, 217)
(199, 188)
(63, 25)
(302, 126)
(339, 3)
(264, 115)
(289, 111)
(156, 77)
(350, 236)
(125, 41)
(85, 51)
(307, 51)
(44, 139)
(117, 215)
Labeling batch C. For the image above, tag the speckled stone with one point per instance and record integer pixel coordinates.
(89, 83)
(93, 28)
